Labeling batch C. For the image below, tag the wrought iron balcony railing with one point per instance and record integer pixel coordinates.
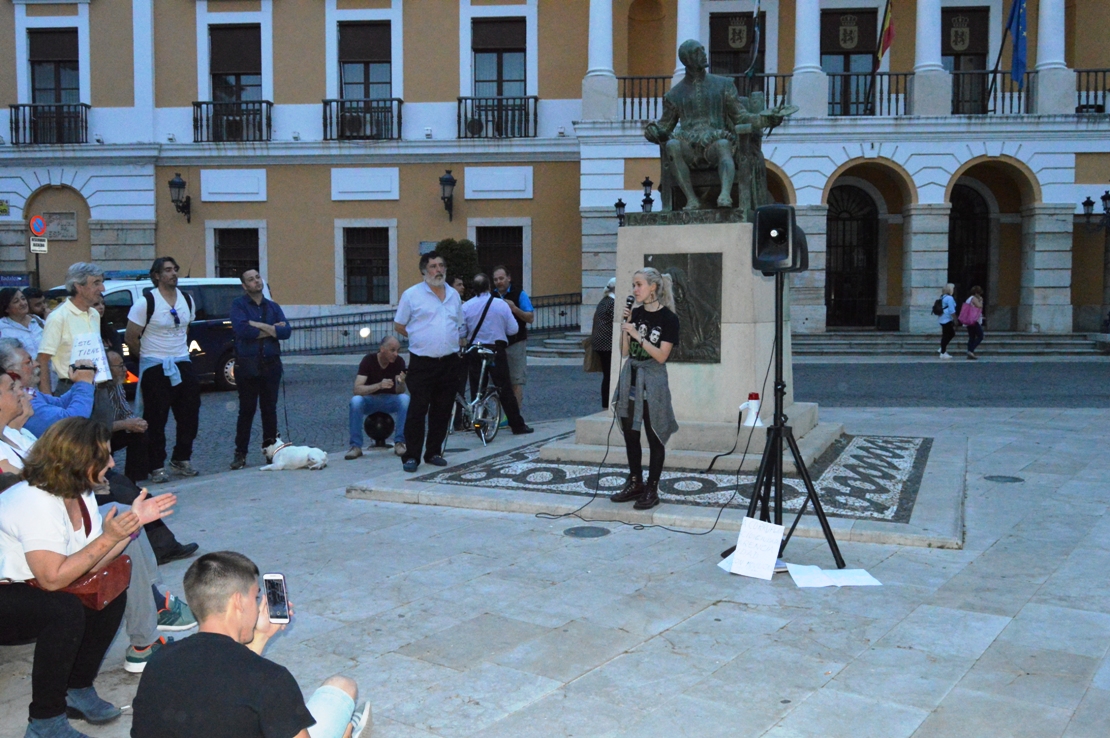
(775, 87)
(227, 122)
(60, 123)
(992, 93)
(377, 119)
(642, 97)
(863, 94)
(1091, 88)
(498, 117)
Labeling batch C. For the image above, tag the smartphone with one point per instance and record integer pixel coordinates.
(277, 597)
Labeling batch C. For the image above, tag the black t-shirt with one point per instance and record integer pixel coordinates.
(372, 370)
(209, 685)
(655, 328)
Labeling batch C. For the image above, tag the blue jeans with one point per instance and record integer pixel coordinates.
(362, 405)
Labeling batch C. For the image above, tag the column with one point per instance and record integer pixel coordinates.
(932, 85)
(1046, 240)
(924, 265)
(1055, 85)
(689, 26)
(807, 289)
(599, 86)
(809, 87)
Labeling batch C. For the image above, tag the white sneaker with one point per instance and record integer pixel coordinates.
(946, 355)
(399, 448)
(362, 721)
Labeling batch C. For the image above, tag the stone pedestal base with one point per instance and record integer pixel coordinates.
(599, 98)
(1055, 92)
(810, 92)
(932, 93)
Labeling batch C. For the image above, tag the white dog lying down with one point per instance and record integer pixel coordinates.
(284, 456)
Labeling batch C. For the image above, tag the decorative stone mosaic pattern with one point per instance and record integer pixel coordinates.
(864, 477)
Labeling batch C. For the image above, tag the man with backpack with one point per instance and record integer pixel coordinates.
(157, 332)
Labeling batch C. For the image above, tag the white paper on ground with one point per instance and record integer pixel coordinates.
(757, 548)
(726, 563)
(815, 576)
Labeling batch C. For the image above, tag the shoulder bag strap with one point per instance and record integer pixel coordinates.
(481, 320)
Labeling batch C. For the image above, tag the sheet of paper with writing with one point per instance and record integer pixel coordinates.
(757, 547)
(88, 348)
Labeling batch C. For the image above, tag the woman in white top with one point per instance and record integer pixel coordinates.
(18, 322)
(51, 531)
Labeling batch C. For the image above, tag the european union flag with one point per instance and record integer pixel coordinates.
(1016, 26)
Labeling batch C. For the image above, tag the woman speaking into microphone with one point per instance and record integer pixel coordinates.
(643, 398)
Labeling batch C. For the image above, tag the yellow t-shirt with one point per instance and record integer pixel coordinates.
(62, 326)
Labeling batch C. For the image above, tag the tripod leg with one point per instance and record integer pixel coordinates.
(761, 485)
(811, 493)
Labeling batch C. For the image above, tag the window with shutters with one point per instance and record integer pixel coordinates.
(732, 39)
(236, 251)
(501, 246)
(849, 39)
(499, 49)
(235, 63)
(366, 265)
(54, 66)
(365, 61)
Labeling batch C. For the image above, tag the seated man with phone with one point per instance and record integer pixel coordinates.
(217, 684)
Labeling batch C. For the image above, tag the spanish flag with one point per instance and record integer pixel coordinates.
(886, 35)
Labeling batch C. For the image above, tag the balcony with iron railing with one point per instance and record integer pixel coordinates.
(992, 93)
(1091, 88)
(642, 97)
(60, 123)
(863, 94)
(377, 119)
(498, 117)
(227, 122)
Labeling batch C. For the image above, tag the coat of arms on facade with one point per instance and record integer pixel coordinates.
(959, 35)
(849, 32)
(737, 33)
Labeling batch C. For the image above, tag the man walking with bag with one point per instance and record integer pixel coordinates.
(259, 325)
(158, 333)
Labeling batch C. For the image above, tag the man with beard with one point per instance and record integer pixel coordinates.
(158, 333)
(430, 314)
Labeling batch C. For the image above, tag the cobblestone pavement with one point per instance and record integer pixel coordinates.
(317, 395)
(468, 623)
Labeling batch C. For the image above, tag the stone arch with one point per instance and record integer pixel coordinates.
(880, 166)
(1018, 172)
(782, 189)
(59, 198)
(648, 52)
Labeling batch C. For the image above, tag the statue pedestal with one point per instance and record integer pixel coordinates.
(706, 397)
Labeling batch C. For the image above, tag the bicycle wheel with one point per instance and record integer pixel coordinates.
(487, 417)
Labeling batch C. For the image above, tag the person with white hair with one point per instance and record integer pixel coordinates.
(947, 319)
(601, 338)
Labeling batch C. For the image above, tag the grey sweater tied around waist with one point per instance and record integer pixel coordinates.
(652, 386)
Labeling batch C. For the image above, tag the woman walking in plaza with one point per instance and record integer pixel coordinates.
(971, 315)
(602, 337)
(643, 398)
(947, 319)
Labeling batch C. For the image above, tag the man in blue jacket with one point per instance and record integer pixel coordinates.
(258, 324)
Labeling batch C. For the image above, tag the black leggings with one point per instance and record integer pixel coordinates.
(71, 640)
(947, 333)
(636, 454)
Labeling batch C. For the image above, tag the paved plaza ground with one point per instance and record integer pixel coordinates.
(460, 622)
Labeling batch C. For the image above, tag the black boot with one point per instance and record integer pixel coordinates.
(650, 497)
(632, 490)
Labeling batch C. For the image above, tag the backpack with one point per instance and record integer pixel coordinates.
(149, 295)
(938, 306)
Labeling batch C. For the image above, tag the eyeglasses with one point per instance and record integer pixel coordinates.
(176, 320)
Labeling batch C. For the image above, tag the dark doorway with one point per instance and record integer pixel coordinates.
(968, 241)
(851, 271)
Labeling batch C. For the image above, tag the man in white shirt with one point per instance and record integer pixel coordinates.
(158, 333)
(430, 314)
(493, 331)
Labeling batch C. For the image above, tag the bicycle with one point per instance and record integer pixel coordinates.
(483, 411)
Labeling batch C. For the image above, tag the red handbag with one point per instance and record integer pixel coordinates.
(97, 590)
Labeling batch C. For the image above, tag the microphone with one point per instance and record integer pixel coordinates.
(629, 302)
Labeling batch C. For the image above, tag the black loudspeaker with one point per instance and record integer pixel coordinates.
(379, 426)
(778, 244)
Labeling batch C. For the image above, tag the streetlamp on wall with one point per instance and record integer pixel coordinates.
(1089, 211)
(647, 202)
(619, 206)
(181, 201)
(447, 193)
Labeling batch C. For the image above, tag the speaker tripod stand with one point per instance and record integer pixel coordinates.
(768, 488)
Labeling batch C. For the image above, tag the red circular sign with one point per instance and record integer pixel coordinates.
(38, 225)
